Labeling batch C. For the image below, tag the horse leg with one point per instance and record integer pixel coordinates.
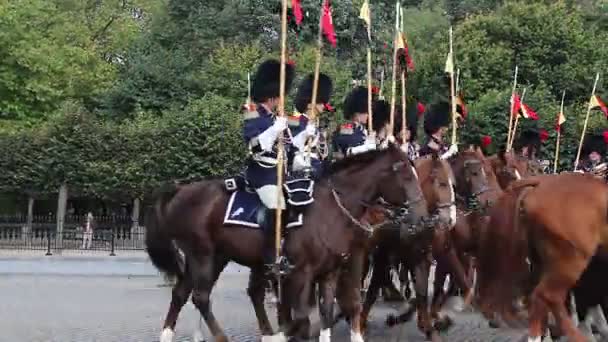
(298, 287)
(349, 296)
(422, 271)
(179, 297)
(257, 291)
(205, 270)
(373, 289)
(439, 295)
(327, 288)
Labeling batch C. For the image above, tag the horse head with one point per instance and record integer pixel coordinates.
(507, 167)
(386, 175)
(474, 176)
(437, 181)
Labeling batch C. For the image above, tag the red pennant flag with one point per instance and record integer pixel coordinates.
(605, 134)
(327, 24)
(596, 102)
(296, 6)
(527, 112)
(516, 103)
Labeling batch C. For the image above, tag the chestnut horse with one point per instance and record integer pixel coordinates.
(554, 222)
(413, 247)
(190, 218)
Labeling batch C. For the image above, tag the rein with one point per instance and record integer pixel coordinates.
(388, 208)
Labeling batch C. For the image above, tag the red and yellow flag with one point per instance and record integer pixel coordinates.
(596, 102)
(327, 24)
(561, 118)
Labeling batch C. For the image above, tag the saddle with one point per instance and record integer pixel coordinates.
(244, 204)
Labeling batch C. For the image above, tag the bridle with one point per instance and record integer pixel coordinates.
(394, 213)
(472, 201)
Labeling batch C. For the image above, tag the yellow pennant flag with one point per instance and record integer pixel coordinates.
(561, 118)
(449, 64)
(365, 13)
(400, 41)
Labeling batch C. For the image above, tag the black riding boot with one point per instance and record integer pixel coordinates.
(268, 227)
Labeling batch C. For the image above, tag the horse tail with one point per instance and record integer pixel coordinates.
(159, 242)
(503, 252)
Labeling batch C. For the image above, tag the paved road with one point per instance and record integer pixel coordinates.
(109, 300)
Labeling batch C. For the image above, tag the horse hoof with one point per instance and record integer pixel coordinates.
(391, 320)
(167, 335)
(443, 324)
(434, 337)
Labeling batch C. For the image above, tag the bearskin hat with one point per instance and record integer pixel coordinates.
(267, 81)
(355, 102)
(528, 137)
(437, 116)
(304, 94)
(412, 121)
(382, 113)
(594, 143)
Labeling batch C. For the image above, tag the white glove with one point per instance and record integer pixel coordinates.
(391, 139)
(451, 151)
(280, 124)
(269, 136)
(311, 130)
(405, 147)
(300, 162)
(579, 171)
(361, 148)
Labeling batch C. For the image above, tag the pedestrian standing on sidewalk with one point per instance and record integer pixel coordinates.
(87, 236)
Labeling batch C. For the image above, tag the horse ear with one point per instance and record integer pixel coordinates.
(502, 155)
(479, 152)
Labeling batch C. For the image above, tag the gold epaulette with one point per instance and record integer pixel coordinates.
(347, 129)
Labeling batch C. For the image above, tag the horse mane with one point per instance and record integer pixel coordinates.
(353, 161)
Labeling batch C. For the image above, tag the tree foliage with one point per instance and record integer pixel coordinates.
(114, 97)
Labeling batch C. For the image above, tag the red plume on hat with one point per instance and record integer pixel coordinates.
(605, 134)
(420, 108)
(543, 135)
(486, 140)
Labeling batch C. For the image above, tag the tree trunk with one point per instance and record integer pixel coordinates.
(27, 229)
(62, 202)
(135, 219)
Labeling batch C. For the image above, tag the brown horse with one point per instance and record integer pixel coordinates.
(530, 223)
(190, 218)
(501, 170)
(413, 248)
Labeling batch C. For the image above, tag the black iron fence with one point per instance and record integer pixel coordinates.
(111, 234)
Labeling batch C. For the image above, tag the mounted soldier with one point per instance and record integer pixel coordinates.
(436, 124)
(593, 152)
(381, 122)
(261, 131)
(303, 130)
(352, 136)
(411, 146)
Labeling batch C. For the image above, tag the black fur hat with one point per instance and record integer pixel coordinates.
(528, 137)
(437, 116)
(355, 102)
(593, 143)
(304, 95)
(381, 110)
(267, 81)
(412, 120)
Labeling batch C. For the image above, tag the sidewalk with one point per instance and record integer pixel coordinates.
(75, 263)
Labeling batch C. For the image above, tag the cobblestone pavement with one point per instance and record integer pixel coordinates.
(102, 306)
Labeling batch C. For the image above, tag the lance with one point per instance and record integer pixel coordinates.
(315, 86)
(512, 109)
(394, 77)
(559, 132)
(523, 95)
(580, 144)
(281, 148)
(403, 92)
(370, 126)
(452, 90)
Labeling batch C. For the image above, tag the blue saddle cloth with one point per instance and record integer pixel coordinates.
(243, 209)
